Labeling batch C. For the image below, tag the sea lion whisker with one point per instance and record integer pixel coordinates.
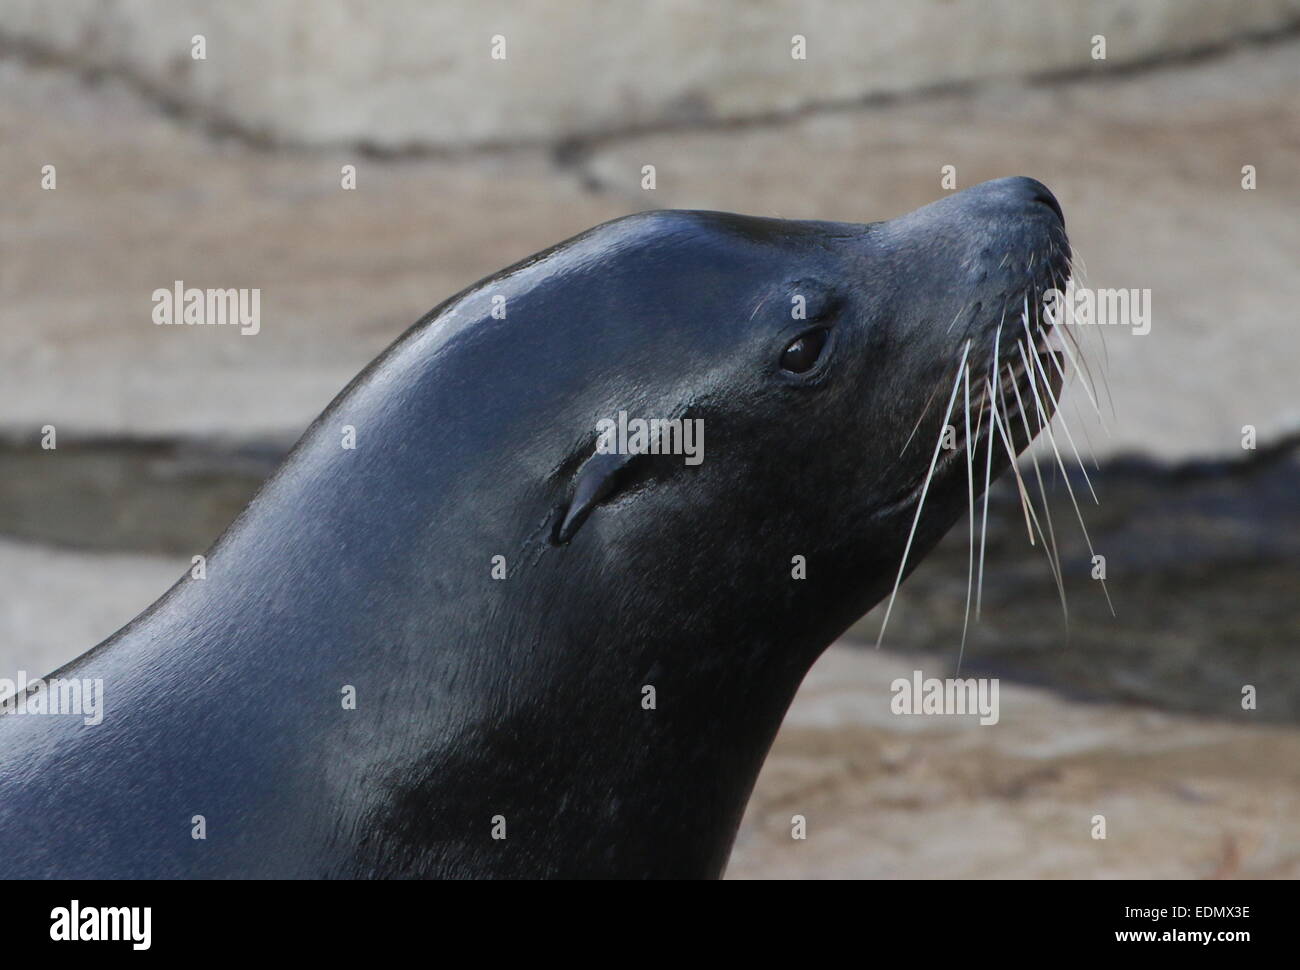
(988, 474)
(999, 421)
(970, 493)
(1076, 372)
(1065, 427)
(1049, 542)
(1087, 438)
(1066, 377)
(1056, 398)
(920, 505)
(924, 411)
(956, 317)
(1085, 375)
(979, 418)
(1047, 428)
(1079, 270)
(1105, 380)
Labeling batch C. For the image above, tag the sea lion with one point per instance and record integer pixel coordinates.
(565, 661)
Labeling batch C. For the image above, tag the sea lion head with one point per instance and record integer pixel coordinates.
(819, 362)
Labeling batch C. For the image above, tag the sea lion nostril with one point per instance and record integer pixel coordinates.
(1038, 192)
(1045, 196)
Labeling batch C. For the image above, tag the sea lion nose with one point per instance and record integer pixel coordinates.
(1019, 192)
(1005, 205)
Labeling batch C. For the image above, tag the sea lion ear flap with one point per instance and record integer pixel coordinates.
(597, 480)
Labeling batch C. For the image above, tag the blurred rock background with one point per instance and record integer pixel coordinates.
(225, 172)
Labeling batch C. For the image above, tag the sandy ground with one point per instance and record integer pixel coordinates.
(927, 797)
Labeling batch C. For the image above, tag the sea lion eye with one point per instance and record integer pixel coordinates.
(803, 351)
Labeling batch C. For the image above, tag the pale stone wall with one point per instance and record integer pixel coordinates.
(410, 72)
(1147, 167)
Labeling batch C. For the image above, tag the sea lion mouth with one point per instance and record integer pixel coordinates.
(1018, 398)
(1026, 397)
